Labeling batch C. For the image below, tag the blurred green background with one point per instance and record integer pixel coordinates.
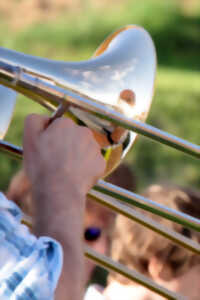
(72, 30)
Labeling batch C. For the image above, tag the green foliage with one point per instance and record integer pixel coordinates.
(176, 110)
(176, 103)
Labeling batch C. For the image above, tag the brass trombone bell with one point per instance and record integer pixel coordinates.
(119, 77)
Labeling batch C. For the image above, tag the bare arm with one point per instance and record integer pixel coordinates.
(62, 162)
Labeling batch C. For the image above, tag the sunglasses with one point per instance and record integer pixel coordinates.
(92, 234)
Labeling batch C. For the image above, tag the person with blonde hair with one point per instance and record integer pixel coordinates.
(154, 256)
(99, 220)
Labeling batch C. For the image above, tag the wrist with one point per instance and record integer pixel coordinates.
(58, 209)
(55, 181)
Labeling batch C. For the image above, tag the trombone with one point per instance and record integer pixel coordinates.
(111, 93)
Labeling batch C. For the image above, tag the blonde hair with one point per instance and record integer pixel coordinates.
(134, 245)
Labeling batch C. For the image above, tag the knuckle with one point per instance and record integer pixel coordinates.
(87, 137)
(63, 122)
(67, 121)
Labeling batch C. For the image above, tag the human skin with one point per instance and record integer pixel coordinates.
(187, 284)
(62, 161)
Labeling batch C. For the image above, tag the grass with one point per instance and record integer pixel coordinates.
(176, 102)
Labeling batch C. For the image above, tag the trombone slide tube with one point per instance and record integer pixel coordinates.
(133, 199)
(125, 196)
(146, 221)
(11, 149)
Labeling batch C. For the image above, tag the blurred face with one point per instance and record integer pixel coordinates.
(187, 284)
(98, 222)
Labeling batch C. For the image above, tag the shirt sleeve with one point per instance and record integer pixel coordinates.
(29, 267)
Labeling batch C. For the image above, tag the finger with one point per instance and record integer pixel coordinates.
(33, 126)
(36, 122)
(60, 122)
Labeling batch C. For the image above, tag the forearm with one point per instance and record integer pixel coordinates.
(59, 160)
(70, 285)
(52, 215)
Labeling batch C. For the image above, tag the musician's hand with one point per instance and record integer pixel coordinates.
(62, 161)
(63, 150)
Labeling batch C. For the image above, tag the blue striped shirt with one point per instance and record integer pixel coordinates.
(29, 267)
